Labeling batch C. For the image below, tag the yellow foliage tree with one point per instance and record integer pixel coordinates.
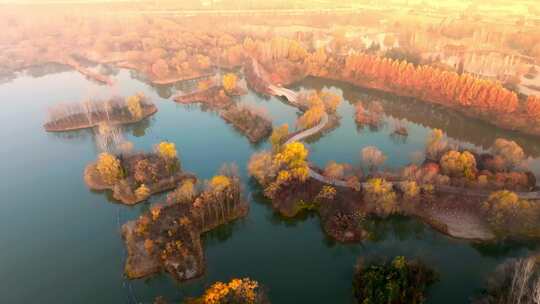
(311, 117)
(380, 192)
(292, 161)
(229, 82)
(236, 291)
(455, 163)
(219, 183)
(184, 193)
(506, 210)
(134, 106)
(410, 189)
(435, 144)
(109, 168)
(166, 150)
(278, 134)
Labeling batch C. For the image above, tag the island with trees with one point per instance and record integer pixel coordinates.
(89, 114)
(457, 191)
(253, 122)
(400, 281)
(133, 177)
(168, 236)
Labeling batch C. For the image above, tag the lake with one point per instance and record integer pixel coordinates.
(61, 242)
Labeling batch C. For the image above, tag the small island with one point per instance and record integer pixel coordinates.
(253, 122)
(168, 237)
(89, 114)
(400, 282)
(134, 177)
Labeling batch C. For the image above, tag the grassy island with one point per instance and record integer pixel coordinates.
(89, 114)
(167, 238)
(135, 177)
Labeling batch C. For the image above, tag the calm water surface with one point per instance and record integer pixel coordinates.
(61, 242)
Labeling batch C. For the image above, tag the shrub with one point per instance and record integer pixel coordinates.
(142, 192)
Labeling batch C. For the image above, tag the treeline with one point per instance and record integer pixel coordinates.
(427, 82)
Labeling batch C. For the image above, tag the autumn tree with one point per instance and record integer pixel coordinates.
(278, 134)
(334, 170)
(508, 213)
(109, 168)
(436, 144)
(330, 100)
(292, 161)
(372, 157)
(381, 195)
(134, 106)
(311, 117)
(261, 166)
(185, 193)
(166, 150)
(143, 172)
(229, 82)
(410, 189)
(509, 151)
(459, 164)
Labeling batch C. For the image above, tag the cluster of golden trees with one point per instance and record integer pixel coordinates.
(287, 164)
(508, 214)
(317, 104)
(236, 291)
(109, 168)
